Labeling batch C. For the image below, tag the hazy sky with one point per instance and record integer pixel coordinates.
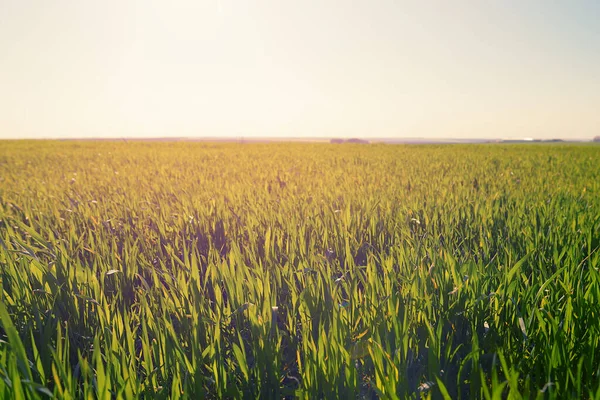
(376, 68)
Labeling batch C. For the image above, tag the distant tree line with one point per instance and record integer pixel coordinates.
(354, 140)
(597, 139)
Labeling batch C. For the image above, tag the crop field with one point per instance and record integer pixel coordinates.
(224, 270)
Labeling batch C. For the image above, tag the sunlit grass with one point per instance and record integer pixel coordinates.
(167, 270)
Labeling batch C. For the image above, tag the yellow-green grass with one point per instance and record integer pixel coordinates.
(168, 270)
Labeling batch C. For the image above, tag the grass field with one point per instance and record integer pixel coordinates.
(167, 270)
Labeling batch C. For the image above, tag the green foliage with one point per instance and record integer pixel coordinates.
(191, 270)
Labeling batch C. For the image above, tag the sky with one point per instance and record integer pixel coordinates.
(310, 68)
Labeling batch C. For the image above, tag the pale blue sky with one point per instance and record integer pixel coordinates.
(377, 68)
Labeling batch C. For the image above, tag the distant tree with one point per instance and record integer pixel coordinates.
(359, 141)
(353, 140)
(597, 139)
